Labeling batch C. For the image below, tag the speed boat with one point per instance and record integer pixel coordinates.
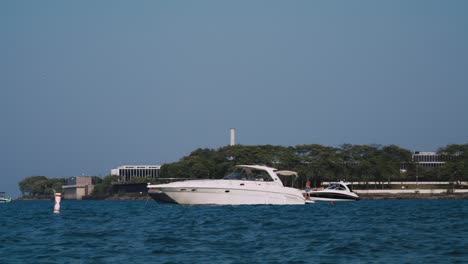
(336, 191)
(247, 184)
(4, 198)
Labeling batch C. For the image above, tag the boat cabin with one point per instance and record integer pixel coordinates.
(4, 198)
(246, 173)
(340, 186)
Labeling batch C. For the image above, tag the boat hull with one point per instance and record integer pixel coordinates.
(5, 200)
(332, 196)
(197, 195)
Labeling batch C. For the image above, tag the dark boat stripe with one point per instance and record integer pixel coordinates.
(333, 196)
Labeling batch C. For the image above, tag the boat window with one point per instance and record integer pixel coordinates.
(237, 174)
(249, 175)
(261, 175)
(336, 187)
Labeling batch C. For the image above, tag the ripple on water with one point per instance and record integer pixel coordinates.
(116, 231)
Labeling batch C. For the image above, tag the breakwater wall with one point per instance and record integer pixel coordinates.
(426, 194)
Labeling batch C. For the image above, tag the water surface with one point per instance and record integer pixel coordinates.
(398, 231)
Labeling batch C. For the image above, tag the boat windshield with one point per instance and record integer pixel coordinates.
(246, 174)
(335, 186)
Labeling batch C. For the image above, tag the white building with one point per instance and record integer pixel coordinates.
(428, 159)
(127, 172)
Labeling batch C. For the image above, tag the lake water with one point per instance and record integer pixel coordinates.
(398, 231)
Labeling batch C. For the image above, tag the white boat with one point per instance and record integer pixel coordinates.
(4, 198)
(248, 184)
(336, 191)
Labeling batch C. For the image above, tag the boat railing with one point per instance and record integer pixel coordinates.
(168, 180)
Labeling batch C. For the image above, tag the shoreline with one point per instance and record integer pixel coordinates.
(413, 196)
(362, 196)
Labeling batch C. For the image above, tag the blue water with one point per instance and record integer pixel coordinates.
(402, 231)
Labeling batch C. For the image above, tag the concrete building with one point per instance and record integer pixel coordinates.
(77, 187)
(424, 159)
(427, 159)
(128, 172)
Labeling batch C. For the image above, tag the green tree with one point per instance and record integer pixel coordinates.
(141, 179)
(347, 162)
(34, 185)
(456, 158)
(105, 187)
(55, 184)
(40, 186)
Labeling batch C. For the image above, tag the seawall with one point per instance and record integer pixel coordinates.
(427, 194)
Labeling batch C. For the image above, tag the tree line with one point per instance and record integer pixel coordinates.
(40, 186)
(361, 163)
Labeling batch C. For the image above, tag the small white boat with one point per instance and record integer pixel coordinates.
(4, 198)
(248, 184)
(335, 192)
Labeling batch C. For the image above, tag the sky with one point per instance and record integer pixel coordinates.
(87, 86)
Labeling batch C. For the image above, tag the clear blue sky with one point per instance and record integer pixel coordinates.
(87, 86)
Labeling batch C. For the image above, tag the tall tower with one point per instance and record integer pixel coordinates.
(233, 136)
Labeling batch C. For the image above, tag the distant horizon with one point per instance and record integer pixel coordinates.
(90, 85)
(102, 174)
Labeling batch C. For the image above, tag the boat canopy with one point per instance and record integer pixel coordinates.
(258, 167)
(286, 173)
